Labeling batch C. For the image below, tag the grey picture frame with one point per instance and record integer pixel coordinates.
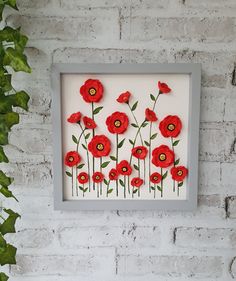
(194, 70)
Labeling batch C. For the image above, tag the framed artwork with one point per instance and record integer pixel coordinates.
(126, 136)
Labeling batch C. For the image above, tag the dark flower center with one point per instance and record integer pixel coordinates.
(171, 127)
(97, 177)
(100, 147)
(155, 178)
(162, 157)
(117, 123)
(180, 173)
(92, 91)
(71, 158)
(124, 169)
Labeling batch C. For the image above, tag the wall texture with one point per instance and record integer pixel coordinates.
(163, 246)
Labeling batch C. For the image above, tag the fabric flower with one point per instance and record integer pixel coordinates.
(74, 118)
(124, 97)
(72, 158)
(92, 90)
(124, 168)
(155, 178)
(83, 177)
(150, 115)
(139, 152)
(179, 173)
(98, 177)
(89, 123)
(99, 146)
(113, 174)
(163, 87)
(170, 126)
(117, 123)
(162, 156)
(137, 182)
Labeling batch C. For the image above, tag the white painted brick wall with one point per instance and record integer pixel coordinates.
(127, 245)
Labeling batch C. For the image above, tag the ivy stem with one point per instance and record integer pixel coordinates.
(161, 183)
(93, 136)
(101, 172)
(117, 141)
(172, 144)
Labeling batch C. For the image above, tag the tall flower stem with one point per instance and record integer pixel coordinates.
(172, 142)
(77, 150)
(117, 141)
(93, 136)
(108, 184)
(161, 183)
(97, 190)
(139, 174)
(155, 187)
(72, 179)
(133, 192)
(101, 172)
(124, 187)
(83, 190)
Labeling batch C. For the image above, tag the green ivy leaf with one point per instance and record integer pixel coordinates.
(3, 157)
(136, 167)
(8, 226)
(153, 136)
(3, 277)
(113, 158)
(165, 175)
(134, 106)
(3, 137)
(8, 256)
(7, 193)
(134, 125)
(20, 99)
(8, 119)
(121, 143)
(110, 191)
(97, 110)
(180, 184)
(176, 162)
(3, 244)
(16, 60)
(121, 182)
(152, 97)
(68, 174)
(80, 166)
(176, 142)
(1, 10)
(4, 180)
(5, 81)
(105, 164)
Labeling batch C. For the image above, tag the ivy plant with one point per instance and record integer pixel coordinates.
(12, 59)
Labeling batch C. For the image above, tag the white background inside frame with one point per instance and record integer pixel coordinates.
(141, 86)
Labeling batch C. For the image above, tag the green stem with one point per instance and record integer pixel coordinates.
(139, 175)
(97, 190)
(174, 161)
(133, 192)
(155, 186)
(108, 184)
(72, 178)
(161, 183)
(136, 121)
(149, 154)
(124, 187)
(101, 172)
(93, 136)
(77, 150)
(117, 140)
(83, 190)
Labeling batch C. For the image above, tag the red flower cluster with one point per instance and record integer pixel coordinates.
(163, 87)
(124, 97)
(117, 123)
(75, 117)
(179, 173)
(83, 178)
(92, 90)
(72, 158)
(150, 115)
(124, 168)
(139, 152)
(98, 177)
(170, 126)
(137, 182)
(99, 146)
(162, 156)
(89, 123)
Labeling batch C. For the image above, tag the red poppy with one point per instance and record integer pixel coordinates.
(98, 177)
(137, 182)
(113, 174)
(72, 158)
(163, 87)
(74, 118)
(139, 152)
(83, 177)
(124, 168)
(89, 123)
(99, 146)
(155, 178)
(124, 97)
(179, 173)
(117, 123)
(150, 115)
(92, 90)
(170, 126)
(162, 156)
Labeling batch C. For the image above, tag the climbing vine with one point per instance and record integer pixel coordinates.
(12, 59)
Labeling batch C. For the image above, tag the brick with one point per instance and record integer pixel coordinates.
(232, 268)
(95, 25)
(228, 176)
(137, 236)
(35, 4)
(199, 237)
(84, 55)
(173, 266)
(85, 262)
(208, 4)
(211, 205)
(230, 105)
(231, 207)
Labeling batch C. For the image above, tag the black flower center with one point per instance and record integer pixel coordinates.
(92, 91)
(162, 157)
(180, 173)
(139, 151)
(100, 147)
(117, 123)
(124, 169)
(71, 158)
(97, 177)
(171, 127)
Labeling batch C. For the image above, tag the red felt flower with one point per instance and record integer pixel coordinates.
(99, 146)
(179, 173)
(150, 115)
(72, 158)
(117, 123)
(92, 90)
(74, 118)
(137, 182)
(113, 174)
(170, 126)
(155, 178)
(163, 87)
(98, 177)
(83, 177)
(89, 123)
(162, 156)
(124, 168)
(139, 152)
(124, 97)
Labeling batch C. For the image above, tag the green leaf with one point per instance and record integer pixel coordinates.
(144, 124)
(105, 181)
(68, 174)
(5, 81)
(159, 188)
(153, 136)
(4, 180)
(20, 99)
(8, 256)
(110, 191)
(3, 137)
(134, 125)
(176, 142)
(7, 193)
(135, 191)
(121, 182)
(81, 188)
(147, 143)
(87, 136)
(152, 97)
(85, 189)
(105, 164)
(131, 142)
(8, 226)
(97, 110)
(136, 167)
(3, 277)
(134, 106)
(84, 146)
(113, 158)
(1, 10)
(74, 139)
(16, 60)
(180, 184)
(3, 157)
(12, 35)
(152, 187)
(165, 175)
(9, 119)
(176, 162)
(121, 143)
(80, 166)
(3, 244)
